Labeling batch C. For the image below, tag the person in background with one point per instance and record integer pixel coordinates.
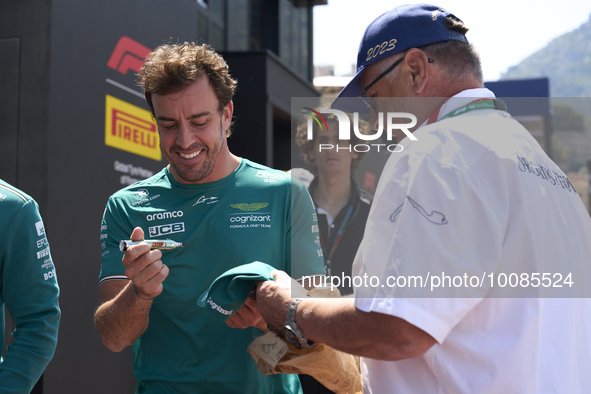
(28, 289)
(341, 209)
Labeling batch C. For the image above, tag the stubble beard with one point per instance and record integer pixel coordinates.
(193, 175)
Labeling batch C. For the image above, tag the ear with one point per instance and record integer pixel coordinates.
(420, 69)
(227, 115)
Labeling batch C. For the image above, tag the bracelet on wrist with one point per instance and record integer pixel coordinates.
(140, 298)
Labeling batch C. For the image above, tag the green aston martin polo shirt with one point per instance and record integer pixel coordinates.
(254, 214)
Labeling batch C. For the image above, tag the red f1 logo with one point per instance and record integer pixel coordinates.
(128, 55)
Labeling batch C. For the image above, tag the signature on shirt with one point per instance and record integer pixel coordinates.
(209, 200)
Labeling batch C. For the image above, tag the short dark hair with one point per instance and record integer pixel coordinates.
(171, 67)
(307, 145)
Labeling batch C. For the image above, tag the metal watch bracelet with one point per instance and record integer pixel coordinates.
(290, 322)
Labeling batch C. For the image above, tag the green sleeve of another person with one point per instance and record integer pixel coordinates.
(30, 292)
(304, 249)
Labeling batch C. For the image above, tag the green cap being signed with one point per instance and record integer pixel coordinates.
(230, 290)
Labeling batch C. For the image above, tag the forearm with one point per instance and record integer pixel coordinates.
(121, 320)
(339, 324)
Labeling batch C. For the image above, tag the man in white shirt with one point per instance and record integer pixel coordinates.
(471, 197)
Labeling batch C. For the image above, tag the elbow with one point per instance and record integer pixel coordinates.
(397, 339)
(115, 348)
(112, 345)
(405, 349)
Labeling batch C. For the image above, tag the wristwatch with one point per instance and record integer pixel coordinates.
(292, 331)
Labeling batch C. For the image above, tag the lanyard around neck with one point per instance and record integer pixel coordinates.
(472, 106)
(337, 240)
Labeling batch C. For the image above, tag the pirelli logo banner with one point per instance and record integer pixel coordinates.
(131, 129)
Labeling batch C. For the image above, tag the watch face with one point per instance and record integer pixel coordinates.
(291, 336)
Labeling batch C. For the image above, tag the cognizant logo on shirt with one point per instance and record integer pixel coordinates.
(250, 220)
(250, 216)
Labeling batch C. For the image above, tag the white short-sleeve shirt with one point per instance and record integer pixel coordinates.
(476, 194)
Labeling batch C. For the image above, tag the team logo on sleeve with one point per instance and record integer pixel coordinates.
(271, 176)
(142, 193)
(42, 253)
(40, 228)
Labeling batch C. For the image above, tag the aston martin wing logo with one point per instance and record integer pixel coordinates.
(255, 206)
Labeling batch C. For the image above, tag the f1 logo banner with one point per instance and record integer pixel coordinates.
(128, 55)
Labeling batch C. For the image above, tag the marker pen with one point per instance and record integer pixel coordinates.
(166, 244)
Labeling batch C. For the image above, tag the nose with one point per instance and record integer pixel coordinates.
(185, 137)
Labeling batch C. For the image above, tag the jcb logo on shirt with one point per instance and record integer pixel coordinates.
(166, 229)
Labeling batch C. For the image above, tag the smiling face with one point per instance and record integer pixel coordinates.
(192, 132)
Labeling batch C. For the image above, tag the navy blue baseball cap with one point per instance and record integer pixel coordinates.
(404, 27)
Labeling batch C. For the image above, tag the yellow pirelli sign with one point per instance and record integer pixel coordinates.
(131, 129)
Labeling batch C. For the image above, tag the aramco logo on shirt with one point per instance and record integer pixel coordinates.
(131, 129)
(391, 118)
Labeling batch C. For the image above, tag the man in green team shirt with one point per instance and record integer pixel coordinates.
(28, 288)
(227, 211)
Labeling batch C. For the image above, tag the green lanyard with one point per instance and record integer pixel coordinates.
(476, 105)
